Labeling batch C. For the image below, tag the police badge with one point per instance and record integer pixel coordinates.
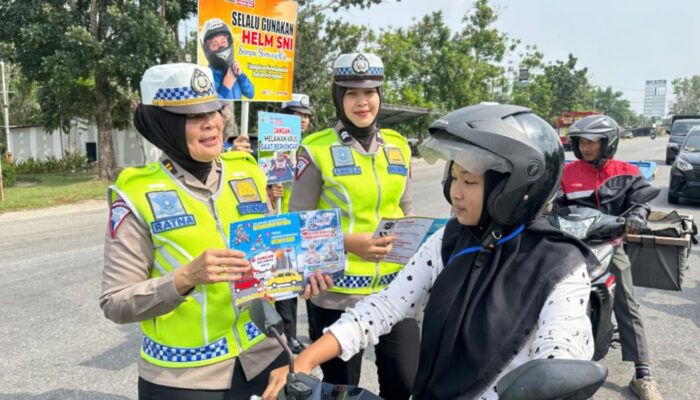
(360, 65)
(201, 84)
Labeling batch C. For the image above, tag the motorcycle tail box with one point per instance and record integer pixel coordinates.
(659, 262)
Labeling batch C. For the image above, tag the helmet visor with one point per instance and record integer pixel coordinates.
(472, 158)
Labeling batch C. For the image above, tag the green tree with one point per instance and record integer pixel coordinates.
(87, 56)
(569, 86)
(610, 102)
(687, 92)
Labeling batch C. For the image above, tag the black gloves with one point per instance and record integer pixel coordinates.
(634, 225)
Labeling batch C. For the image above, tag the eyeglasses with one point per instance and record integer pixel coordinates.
(217, 42)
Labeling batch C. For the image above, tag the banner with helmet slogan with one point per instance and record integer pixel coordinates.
(249, 47)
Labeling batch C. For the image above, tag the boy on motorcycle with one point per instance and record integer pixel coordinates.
(496, 287)
(597, 180)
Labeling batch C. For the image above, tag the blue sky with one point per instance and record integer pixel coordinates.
(622, 42)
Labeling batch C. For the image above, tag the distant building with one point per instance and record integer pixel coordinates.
(32, 141)
(655, 98)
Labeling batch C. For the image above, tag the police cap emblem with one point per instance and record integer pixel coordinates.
(201, 84)
(360, 65)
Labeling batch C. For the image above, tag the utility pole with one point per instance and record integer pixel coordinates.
(6, 115)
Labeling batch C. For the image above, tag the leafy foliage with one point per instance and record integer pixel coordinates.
(687, 92)
(9, 174)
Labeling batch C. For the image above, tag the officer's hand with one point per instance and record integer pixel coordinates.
(276, 191)
(242, 143)
(634, 225)
(228, 79)
(213, 265)
(318, 283)
(368, 248)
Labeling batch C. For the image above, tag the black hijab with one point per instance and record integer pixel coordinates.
(166, 131)
(478, 319)
(362, 135)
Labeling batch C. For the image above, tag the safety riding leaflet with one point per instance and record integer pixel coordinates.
(284, 250)
(410, 233)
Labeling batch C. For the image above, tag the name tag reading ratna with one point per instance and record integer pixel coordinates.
(168, 211)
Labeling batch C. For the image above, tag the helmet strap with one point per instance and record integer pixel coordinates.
(488, 244)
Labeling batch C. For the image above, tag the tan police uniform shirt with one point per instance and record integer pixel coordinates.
(128, 295)
(307, 189)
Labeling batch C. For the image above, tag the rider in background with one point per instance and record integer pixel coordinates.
(496, 287)
(598, 180)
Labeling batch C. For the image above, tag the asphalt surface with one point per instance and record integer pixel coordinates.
(56, 344)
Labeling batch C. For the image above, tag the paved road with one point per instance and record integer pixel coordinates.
(57, 345)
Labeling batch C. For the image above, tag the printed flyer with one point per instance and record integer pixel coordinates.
(410, 233)
(284, 250)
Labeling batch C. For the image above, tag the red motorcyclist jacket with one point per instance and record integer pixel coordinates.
(607, 188)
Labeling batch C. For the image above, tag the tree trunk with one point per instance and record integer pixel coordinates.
(106, 161)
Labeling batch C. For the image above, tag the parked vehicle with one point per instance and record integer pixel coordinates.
(680, 126)
(300, 386)
(685, 172)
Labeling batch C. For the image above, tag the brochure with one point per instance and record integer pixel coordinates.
(410, 233)
(284, 250)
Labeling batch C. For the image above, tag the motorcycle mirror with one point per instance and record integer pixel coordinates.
(550, 379)
(265, 317)
(645, 194)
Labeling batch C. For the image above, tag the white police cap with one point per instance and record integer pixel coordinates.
(300, 103)
(358, 70)
(180, 88)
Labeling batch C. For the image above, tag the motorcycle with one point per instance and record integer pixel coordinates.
(300, 386)
(546, 379)
(551, 379)
(603, 234)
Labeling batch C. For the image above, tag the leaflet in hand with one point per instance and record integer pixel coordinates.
(410, 233)
(284, 250)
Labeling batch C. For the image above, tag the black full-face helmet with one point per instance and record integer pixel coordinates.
(596, 127)
(221, 58)
(507, 139)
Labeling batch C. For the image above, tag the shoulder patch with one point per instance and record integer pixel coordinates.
(302, 163)
(117, 213)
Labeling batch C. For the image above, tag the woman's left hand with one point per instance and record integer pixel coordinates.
(318, 283)
(242, 143)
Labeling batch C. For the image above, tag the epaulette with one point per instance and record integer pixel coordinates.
(238, 155)
(316, 136)
(130, 173)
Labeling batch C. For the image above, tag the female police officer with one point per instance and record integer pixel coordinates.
(167, 264)
(363, 171)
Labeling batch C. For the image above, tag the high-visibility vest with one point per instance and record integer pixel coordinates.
(366, 188)
(205, 328)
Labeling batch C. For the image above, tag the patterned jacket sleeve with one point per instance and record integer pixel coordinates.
(405, 297)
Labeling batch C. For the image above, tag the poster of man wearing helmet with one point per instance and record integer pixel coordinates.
(249, 47)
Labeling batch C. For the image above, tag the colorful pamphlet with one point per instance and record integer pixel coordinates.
(410, 233)
(284, 250)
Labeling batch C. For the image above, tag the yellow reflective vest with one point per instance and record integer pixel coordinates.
(365, 187)
(205, 328)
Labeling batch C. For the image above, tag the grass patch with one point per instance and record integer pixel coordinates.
(52, 189)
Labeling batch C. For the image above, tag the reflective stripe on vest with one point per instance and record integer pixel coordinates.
(365, 187)
(205, 328)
